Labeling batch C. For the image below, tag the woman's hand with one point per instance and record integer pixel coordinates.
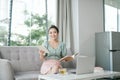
(42, 54)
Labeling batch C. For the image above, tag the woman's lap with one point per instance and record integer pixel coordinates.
(50, 66)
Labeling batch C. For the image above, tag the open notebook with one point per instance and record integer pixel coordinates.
(84, 65)
(68, 58)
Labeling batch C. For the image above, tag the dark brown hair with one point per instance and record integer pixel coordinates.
(55, 27)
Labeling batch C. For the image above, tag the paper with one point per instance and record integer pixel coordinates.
(66, 58)
(44, 49)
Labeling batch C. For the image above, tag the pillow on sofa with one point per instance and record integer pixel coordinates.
(6, 71)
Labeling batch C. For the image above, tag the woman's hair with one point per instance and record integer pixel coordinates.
(53, 26)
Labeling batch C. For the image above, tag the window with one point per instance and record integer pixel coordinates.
(112, 14)
(4, 21)
(110, 18)
(25, 22)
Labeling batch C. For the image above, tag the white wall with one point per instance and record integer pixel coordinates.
(87, 19)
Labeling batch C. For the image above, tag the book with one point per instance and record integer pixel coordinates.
(68, 58)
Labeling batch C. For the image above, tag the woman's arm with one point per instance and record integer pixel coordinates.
(42, 52)
(64, 50)
(42, 55)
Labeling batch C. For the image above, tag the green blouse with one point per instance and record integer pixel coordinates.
(55, 53)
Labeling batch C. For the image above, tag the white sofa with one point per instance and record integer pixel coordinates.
(22, 63)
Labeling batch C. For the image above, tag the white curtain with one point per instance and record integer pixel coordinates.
(64, 22)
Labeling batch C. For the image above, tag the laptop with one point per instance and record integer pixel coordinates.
(84, 65)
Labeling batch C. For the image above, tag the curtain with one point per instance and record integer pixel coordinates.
(64, 22)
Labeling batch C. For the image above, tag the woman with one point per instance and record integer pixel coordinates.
(57, 50)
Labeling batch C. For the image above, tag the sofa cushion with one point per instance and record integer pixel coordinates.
(6, 70)
(22, 58)
(29, 75)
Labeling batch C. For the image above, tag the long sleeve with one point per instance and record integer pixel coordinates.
(64, 50)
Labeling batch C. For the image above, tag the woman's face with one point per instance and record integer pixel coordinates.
(53, 34)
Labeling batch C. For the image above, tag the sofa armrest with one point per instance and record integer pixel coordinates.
(6, 71)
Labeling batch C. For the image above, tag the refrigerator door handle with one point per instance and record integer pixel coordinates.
(114, 50)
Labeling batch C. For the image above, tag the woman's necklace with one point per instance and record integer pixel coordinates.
(54, 44)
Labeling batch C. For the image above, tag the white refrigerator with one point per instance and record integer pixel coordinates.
(107, 46)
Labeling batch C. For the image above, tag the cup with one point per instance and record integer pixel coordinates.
(62, 70)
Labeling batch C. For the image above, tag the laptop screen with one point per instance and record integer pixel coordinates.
(85, 64)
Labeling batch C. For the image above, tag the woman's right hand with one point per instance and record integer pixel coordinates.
(42, 54)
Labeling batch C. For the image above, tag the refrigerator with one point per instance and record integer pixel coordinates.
(107, 46)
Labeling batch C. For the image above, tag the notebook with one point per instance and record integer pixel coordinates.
(84, 65)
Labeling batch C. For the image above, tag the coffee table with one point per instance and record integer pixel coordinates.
(70, 76)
